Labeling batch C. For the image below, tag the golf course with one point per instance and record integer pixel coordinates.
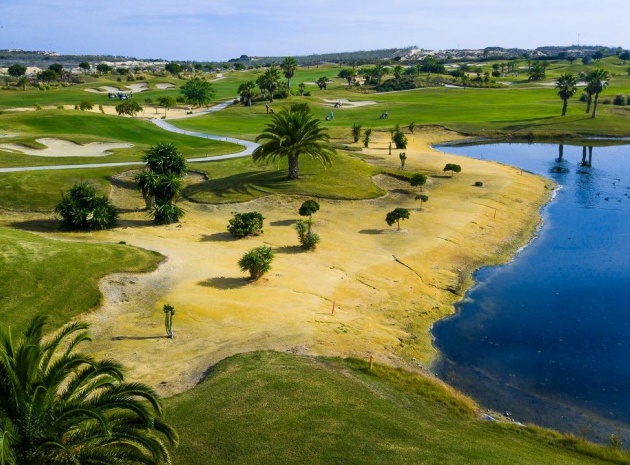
(326, 358)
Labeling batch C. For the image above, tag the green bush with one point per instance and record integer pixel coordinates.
(308, 208)
(308, 239)
(620, 99)
(83, 208)
(246, 224)
(257, 261)
(478, 184)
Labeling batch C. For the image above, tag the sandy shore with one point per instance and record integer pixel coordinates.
(387, 286)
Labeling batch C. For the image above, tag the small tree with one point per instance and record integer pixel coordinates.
(411, 127)
(169, 311)
(418, 180)
(86, 105)
(17, 70)
(356, 132)
(403, 160)
(367, 135)
(103, 68)
(422, 198)
(84, 208)
(85, 66)
(257, 261)
(197, 91)
(129, 107)
(453, 168)
(166, 102)
(245, 224)
(399, 139)
(308, 208)
(396, 215)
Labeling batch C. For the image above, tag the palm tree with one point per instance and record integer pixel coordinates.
(292, 133)
(161, 181)
(289, 65)
(246, 89)
(567, 86)
(322, 82)
(272, 77)
(598, 80)
(58, 406)
(257, 261)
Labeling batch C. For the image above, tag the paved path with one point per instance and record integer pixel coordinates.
(249, 147)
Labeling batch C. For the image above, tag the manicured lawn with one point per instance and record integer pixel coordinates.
(58, 278)
(273, 408)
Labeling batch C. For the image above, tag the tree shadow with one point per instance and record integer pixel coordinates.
(282, 222)
(372, 231)
(218, 237)
(123, 183)
(134, 223)
(289, 249)
(401, 191)
(223, 282)
(40, 225)
(136, 338)
(249, 184)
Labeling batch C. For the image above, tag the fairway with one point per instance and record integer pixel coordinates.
(274, 371)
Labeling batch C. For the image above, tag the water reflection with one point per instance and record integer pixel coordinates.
(546, 337)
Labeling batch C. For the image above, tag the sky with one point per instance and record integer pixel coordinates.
(217, 30)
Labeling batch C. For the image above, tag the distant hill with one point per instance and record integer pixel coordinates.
(43, 59)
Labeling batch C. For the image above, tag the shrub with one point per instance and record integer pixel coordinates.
(257, 261)
(83, 208)
(164, 212)
(399, 139)
(308, 239)
(86, 105)
(245, 224)
(584, 97)
(620, 99)
(478, 184)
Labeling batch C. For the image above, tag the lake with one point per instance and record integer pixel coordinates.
(546, 338)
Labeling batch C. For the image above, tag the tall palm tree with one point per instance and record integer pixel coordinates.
(58, 406)
(289, 66)
(567, 86)
(598, 80)
(292, 133)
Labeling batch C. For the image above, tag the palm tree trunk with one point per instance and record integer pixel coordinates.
(588, 104)
(564, 106)
(294, 171)
(595, 105)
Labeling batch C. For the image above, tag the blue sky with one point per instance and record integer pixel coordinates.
(213, 30)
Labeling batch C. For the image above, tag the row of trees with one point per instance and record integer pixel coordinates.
(596, 81)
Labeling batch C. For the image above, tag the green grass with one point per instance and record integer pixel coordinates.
(83, 127)
(58, 278)
(240, 180)
(272, 408)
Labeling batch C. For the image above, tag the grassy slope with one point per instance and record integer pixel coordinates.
(271, 408)
(57, 278)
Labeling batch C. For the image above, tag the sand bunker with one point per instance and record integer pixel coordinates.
(348, 103)
(64, 148)
(165, 85)
(139, 87)
(104, 90)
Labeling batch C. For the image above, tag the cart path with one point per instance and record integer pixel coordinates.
(248, 149)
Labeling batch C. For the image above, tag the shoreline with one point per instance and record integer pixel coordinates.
(388, 286)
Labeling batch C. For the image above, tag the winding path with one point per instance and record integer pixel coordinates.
(249, 146)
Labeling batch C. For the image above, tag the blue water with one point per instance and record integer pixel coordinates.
(547, 336)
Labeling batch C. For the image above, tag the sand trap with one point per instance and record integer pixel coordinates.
(165, 85)
(104, 90)
(64, 148)
(348, 103)
(139, 87)
(7, 135)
